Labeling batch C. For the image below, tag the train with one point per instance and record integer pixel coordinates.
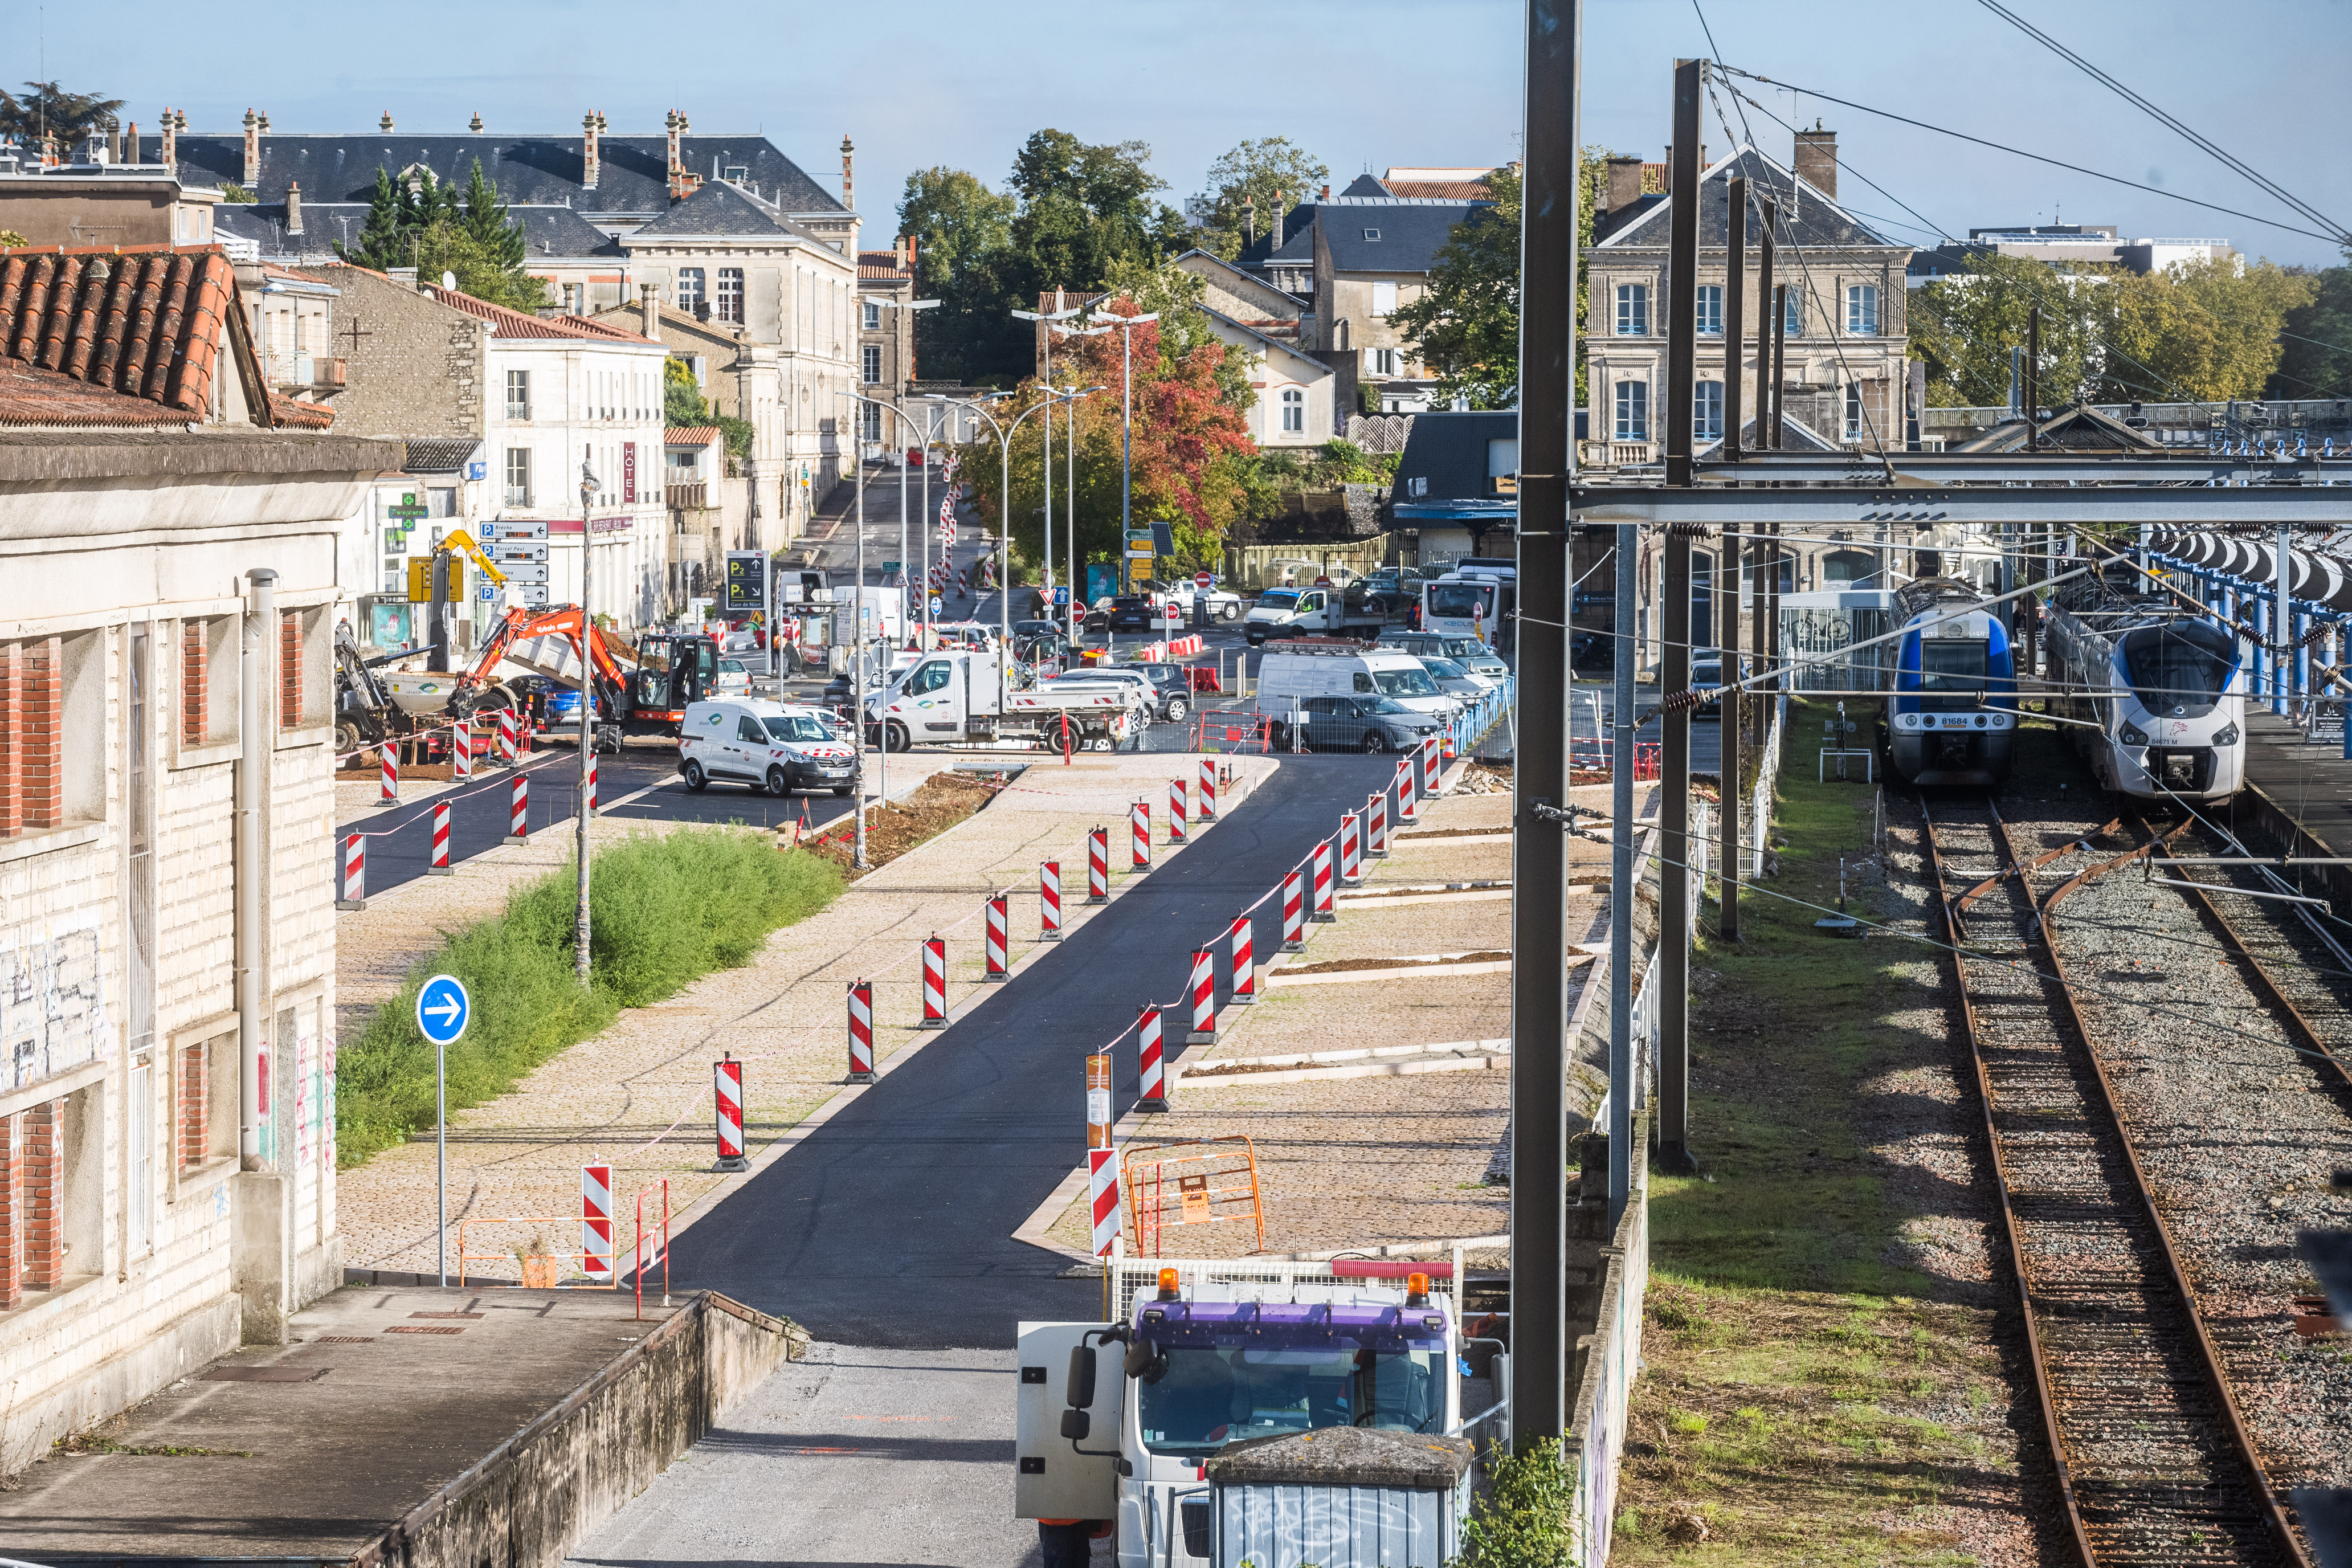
(1952, 719)
(2156, 689)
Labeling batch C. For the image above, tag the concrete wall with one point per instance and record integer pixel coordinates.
(535, 1497)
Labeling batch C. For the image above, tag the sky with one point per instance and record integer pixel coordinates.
(1366, 84)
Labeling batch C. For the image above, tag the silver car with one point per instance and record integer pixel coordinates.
(1454, 678)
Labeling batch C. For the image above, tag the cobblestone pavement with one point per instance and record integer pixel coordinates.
(640, 1093)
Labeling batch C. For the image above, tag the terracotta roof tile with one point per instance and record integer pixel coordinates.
(690, 435)
(506, 323)
(31, 395)
(293, 413)
(144, 323)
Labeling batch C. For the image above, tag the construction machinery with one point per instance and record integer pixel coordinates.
(438, 582)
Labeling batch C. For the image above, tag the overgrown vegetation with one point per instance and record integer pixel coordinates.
(1521, 1519)
(663, 911)
(684, 406)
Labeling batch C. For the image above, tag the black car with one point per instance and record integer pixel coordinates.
(1131, 613)
(1173, 683)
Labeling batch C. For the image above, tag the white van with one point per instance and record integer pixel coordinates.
(777, 747)
(1288, 676)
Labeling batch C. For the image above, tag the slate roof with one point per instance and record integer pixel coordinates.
(1366, 185)
(633, 175)
(1808, 218)
(548, 231)
(1297, 241)
(438, 454)
(1449, 450)
(717, 208)
(1411, 232)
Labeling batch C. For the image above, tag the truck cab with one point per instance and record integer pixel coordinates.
(1324, 610)
(1120, 1420)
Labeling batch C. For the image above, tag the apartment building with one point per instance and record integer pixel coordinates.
(167, 985)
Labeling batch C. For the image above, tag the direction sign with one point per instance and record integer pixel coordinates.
(1061, 596)
(530, 550)
(747, 579)
(441, 1009)
(520, 529)
(525, 570)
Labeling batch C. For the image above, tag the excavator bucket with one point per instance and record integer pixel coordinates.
(554, 655)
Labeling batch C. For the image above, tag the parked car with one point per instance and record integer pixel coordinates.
(1165, 684)
(1456, 680)
(733, 680)
(1362, 723)
(1134, 613)
(769, 746)
(1473, 655)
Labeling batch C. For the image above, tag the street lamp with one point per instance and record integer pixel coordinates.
(857, 601)
(589, 489)
(1127, 325)
(1045, 380)
(1004, 522)
(900, 305)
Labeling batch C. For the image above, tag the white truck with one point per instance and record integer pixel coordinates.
(960, 696)
(1205, 1364)
(1313, 612)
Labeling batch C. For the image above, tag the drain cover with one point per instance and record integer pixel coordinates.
(467, 1315)
(264, 1374)
(346, 1339)
(420, 1329)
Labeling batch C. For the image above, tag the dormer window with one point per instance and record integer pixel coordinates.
(738, 172)
(1371, 234)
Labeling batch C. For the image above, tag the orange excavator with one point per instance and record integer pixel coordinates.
(640, 689)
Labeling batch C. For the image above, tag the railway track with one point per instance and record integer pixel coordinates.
(2154, 1464)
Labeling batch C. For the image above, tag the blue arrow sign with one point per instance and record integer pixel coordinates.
(441, 1009)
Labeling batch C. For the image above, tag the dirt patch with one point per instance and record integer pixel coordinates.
(893, 829)
(1418, 833)
(1348, 965)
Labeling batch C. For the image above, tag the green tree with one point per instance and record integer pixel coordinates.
(1264, 175)
(486, 222)
(2208, 331)
(1964, 326)
(2316, 343)
(383, 241)
(1179, 300)
(1084, 207)
(684, 406)
(234, 194)
(1465, 325)
(444, 246)
(46, 109)
(963, 245)
(1522, 1521)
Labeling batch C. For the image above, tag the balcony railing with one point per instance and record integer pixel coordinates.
(688, 498)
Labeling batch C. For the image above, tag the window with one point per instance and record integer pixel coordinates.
(748, 729)
(139, 1202)
(1371, 234)
(738, 172)
(730, 295)
(518, 476)
(873, 315)
(1710, 310)
(1384, 362)
(1853, 411)
(1706, 411)
(53, 687)
(1795, 312)
(518, 394)
(872, 356)
(1633, 312)
(1294, 411)
(1633, 410)
(1384, 298)
(689, 290)
(872, 416)
(1861, 310)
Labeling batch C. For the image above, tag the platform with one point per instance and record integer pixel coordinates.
(2297, 783)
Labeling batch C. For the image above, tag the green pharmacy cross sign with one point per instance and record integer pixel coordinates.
(406, 514)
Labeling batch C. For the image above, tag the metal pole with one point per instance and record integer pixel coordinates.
(588, 487)
(2033, 379)
(1768, 391)
(441, 1151)
(923, 531)
(1735, 324)
(857, 610)
(1126, 427)
(1621, 731)
(1547, 328)
(1675, 621)
(1727, 623)
(1070, 526)
(1780, 363)
(1681, 277)
(2281, 624)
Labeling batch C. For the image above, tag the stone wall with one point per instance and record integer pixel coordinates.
(417, 367)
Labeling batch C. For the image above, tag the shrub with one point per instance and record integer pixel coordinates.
(1521, 1521)
(662, 911)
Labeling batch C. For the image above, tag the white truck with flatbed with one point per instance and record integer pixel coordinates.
(1169, 1426)
(964, 696)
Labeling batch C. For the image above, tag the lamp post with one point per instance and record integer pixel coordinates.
(1127, 325)
(589, 488)
(857, 747)
(1003, 519)
(898, 305)
(1045, 380)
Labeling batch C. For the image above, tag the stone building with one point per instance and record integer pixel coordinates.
(1843, 369)
(885, 340)
(167, 985)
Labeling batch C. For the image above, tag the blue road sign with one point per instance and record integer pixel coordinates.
(441, 1009)
(1061, 596)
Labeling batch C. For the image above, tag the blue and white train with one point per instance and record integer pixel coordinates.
(2157, 691)
(1952, 719)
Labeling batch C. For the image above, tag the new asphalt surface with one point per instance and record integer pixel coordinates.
(891, 1226)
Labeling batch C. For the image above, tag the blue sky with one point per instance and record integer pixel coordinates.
(1369, 83)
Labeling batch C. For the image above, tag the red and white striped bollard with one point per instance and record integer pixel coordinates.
(727, 1082)
(1204, 997)
(1098, 865)
(1431, 766)
(1376, 826)
(1102, 1182)
(389, 794)
(461, 750)
(1177, 826)
(1351, 850)
(597, 1223)
(1294, 912)
(592, 784)
(1318, 909)
(519, 819)
(438, 865)
(1244, 990)
(354, 873)
(1049, 900)
(861, 1031)
(935, 983)
(510, 731)
(998, 952)
(1154, 1095)
(1138, 824)
(1208, 789)
(1408, 808)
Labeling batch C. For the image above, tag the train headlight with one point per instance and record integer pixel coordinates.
(2227, 735)
(2131, 735)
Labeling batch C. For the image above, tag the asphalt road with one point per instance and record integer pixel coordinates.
(892, 1223)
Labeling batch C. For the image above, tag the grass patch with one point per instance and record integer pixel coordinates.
(1807, 1398)
(663, 911)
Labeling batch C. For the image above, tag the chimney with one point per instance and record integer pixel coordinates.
(385, 124)
(475, 124)
(293, 207)
(912, 240)
(1249, 219)
(675, 123)
(650, 310)
(591, 125)
(130, 142)
(1277, 220)
(168, 154)
(1817, 158)
(1327, 194)
(848, 183)
(113, 143)
(1624, 184)
(252, 150)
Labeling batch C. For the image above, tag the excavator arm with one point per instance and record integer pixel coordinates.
(546, 641)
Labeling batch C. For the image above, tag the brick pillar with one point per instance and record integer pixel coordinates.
(194, 1127)
(37, 748)
(193, 719)
(290, 669)
(12, 1277)
(44, 1239)
(11, 804)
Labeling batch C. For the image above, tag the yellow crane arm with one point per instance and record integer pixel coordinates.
(459, 539)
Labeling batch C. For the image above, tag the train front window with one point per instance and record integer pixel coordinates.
(2179, 670)
(1951, 674)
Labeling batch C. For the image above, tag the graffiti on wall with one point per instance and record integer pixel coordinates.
(52, 1016)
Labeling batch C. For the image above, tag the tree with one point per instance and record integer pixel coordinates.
(1083, 207)
(435, 228)
(487, 223)
(445, 247)
(46, 109)
(684, 406)
(1264, 175)
(2205, 331)
(963, 241)
(383, 241)
(1465, 325)
(1965, 327)
(2316, 343)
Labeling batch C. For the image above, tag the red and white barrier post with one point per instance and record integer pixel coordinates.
(1154, 1095)
(509, 732)
(1408, 808)
(597, 1223)
(1376, 826)
(1102, 1186)
(438, 865)
(1351, 850)
(1138, 823)
(1432, 764)
(1319, 910)
(519, 819)
(1204, 997)
(592, 784)
(1049, 900)
(390, 753)
(461, 750)
(1098, 865)
(1208, 789)
(1177, 825)
(1245, 968)
(1294, 912)
(726, 1081)
(861, 1031)
(935, 983)
(354, 873)
(999, 938)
